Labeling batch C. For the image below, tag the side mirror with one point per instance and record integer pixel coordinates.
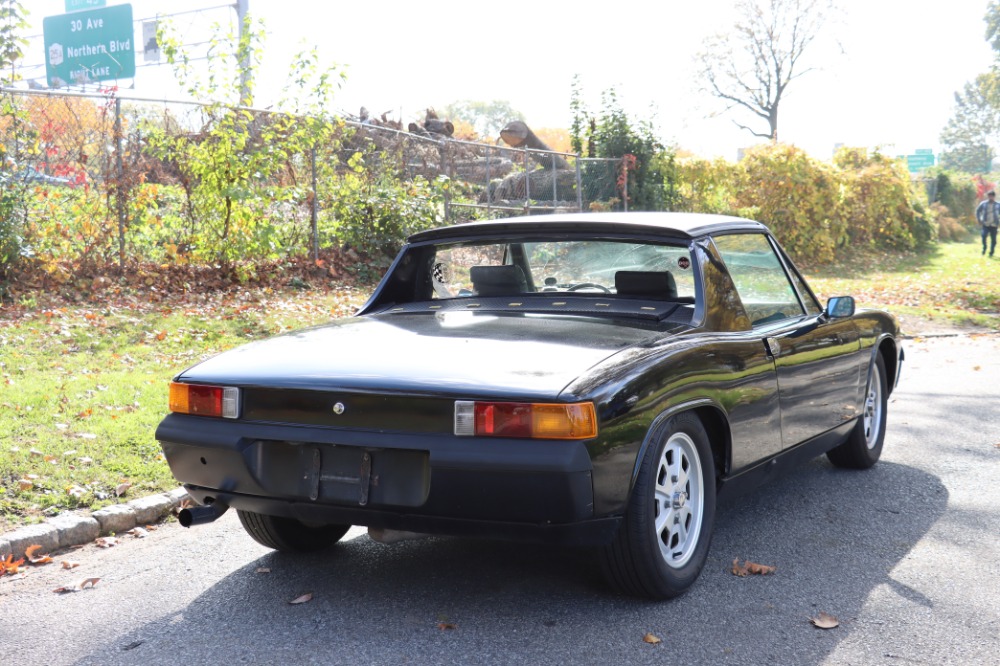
(840, 306)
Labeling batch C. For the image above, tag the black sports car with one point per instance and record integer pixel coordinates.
(595, 379)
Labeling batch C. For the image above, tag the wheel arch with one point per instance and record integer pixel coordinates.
(892, 356)
(713, 419)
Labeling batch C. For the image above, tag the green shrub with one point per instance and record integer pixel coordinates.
(373, 213)
(797, 196)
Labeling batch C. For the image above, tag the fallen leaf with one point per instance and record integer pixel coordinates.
(25, 484)
(70, 564)
(447, 626)
(749, 568)
(303, 599)
(122, 488)
(825, 621)
(651, 639)
(30, 551)
(977, 368)
(262, 570)
(106, 542)
(138, 532)
(10, 565)
(86, 582)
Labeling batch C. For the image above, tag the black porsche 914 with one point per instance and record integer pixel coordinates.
(593, 379)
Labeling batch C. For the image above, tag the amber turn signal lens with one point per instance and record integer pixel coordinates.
(218, 401)
(525, 420)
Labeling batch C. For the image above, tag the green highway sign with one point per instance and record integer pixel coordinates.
(79, 5)
(919, 162)
(89, 46)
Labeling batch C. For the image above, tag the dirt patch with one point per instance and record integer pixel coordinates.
(916, 327)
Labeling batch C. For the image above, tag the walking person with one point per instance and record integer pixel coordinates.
(988, 215)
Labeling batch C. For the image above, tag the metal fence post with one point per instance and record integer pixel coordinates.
(579, 184)
(119, 185)
(555, 182)
(314, 210)
(527, 184)
(489, 195)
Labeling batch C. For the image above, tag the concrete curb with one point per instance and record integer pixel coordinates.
(75, 529)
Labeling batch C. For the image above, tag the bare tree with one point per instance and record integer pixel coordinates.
(750, 67)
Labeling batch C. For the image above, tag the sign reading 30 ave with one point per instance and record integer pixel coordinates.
(85, 47)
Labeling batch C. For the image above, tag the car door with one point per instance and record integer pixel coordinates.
(817, 358)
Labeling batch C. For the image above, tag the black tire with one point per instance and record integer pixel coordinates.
(289, 535)
(863, 447)
(662, 561)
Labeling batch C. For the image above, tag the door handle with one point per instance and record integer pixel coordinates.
(773, 347)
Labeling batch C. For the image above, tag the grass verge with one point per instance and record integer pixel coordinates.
(83, 386)
(951, 284)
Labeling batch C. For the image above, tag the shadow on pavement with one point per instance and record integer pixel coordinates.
(833, 535)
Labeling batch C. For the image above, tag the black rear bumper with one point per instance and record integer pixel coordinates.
(440, 484)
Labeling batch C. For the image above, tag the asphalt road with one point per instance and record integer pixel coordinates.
(905, 555)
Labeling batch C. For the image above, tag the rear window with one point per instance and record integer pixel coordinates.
(580, 266)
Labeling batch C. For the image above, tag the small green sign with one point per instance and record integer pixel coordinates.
(89, 46)
(81, 5)
(919, 162)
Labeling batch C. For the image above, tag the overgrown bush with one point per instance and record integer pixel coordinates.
(957, 193)
(885, 208)
(373, 212)
(797, 196)
(706, 186)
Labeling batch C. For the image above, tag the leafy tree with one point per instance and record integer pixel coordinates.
(13, 21)
(614, 134)
(15, 140)
(578, 110)
(231, 166)
(970, 136)
(486, 118)
(750, 67)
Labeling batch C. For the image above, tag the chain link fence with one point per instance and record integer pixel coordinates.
(106, 179)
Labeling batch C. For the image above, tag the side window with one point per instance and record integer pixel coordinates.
(812, 307)
(759, 277)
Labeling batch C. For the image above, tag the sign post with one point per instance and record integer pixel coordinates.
(89, 46)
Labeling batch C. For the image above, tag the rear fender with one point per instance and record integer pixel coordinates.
(716, 425)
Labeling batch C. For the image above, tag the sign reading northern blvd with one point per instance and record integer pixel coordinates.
(89, 46)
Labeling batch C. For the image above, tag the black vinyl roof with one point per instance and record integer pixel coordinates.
(674, 225)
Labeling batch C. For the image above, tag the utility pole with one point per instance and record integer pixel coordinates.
(242, 9)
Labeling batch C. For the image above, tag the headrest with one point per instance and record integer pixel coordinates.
(647, 284)
(498, 280)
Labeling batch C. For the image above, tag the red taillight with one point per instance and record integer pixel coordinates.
(525, 420)
(218, 401)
